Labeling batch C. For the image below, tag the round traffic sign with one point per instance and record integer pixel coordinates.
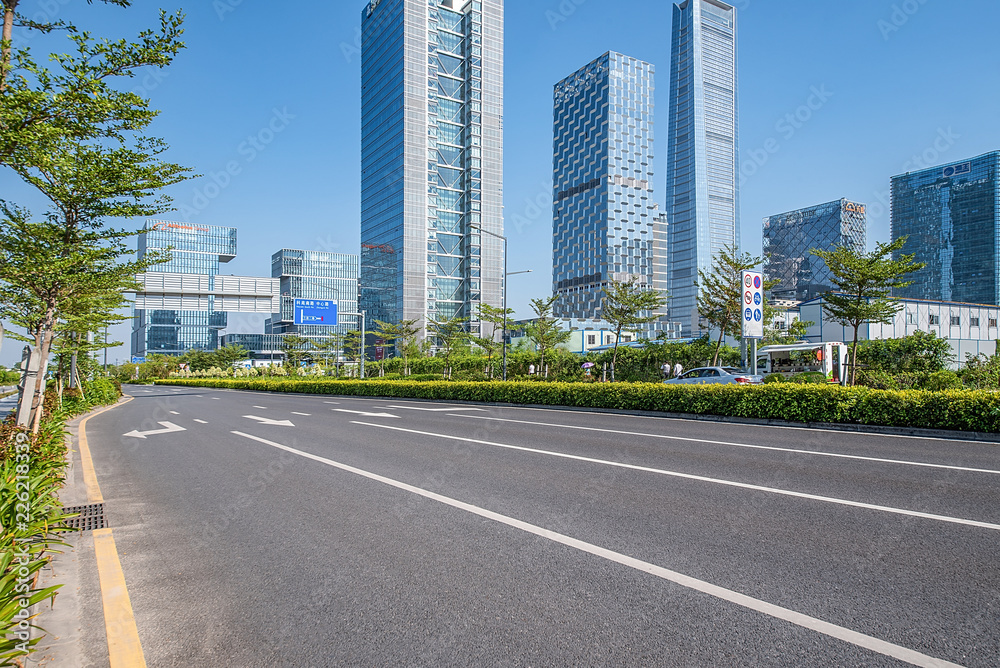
(748, 297)
(757, 315)
(748, 315)
(756, 282)
(756, 298)
(748, 281)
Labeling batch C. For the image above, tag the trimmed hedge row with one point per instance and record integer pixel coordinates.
(958, 410)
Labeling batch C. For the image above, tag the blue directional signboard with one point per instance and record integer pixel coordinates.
(753, 305)
(315, 312)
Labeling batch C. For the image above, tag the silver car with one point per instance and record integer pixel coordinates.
(716, 374)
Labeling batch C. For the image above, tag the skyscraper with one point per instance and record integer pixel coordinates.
(703, 147)
(195, 251)
(604, 220)
(431, 158)
(951, 215)
(788, 238)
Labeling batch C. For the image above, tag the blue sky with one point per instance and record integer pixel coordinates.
(889, 82)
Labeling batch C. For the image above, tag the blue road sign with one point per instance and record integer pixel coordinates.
(136, 359)
(315, 312)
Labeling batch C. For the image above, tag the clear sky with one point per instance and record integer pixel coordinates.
(891, 83)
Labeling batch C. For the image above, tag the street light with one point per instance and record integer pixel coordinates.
(505, 275)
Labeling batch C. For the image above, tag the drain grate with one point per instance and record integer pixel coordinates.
(91, 517)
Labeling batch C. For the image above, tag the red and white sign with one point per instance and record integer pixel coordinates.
(753, 305)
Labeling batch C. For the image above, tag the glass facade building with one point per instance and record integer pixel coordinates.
(315, 275)
(702, 172)
(431, 158)
(194, 249)
(605, 224)
(951, 215)
(789, 237)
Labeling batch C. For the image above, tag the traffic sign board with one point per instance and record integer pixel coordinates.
(753, 296)
(315, 312)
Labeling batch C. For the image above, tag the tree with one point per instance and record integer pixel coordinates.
(626, 304)
(226, 356)
(354, 346)
(863, 286)
(402, 335)
(295, 349)
(497, 317)
(544, 330)
(720, 299)
(450, 334)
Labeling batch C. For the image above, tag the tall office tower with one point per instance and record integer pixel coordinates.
(195, 254)
(703, 149)
(432, 158)
(951, 215)
(315, 275)
(789, 237)
(604, 221)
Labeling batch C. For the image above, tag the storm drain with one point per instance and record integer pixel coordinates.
(91, 517)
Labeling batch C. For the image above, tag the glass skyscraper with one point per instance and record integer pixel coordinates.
(316, 275)
(605, 224)
(703, 149)
(951, 215)
(194, 249)
(788, 238)
(431, 158)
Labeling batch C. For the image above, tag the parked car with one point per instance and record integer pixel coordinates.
(716, 374)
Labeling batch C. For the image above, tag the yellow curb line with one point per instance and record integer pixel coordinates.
(124, 648)
(89, 475)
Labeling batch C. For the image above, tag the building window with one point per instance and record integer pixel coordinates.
(993, 323)
(626, 339)
(935, 320)
(591, 339)
(956, 321)
(911, 318)
(973, 322)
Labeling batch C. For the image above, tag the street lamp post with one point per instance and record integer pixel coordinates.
(505, 275)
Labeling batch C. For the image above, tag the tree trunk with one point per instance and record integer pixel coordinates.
(42, 369)
(8, 32)
(854, 357)
(718, 347)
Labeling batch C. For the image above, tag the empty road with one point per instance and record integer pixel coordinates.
(280, 530)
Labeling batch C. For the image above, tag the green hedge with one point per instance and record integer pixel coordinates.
(957, 410)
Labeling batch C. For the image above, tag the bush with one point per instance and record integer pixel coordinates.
(774, 378)
(952, 410)
(942, 380)
(809, 378)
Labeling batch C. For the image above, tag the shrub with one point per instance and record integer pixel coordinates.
(809, 377)
(774, 378)
(952, 410)
(942, 380)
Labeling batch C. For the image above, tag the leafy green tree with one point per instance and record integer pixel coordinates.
(863, 286)
(450, 334)
(544, 331)
(354, 346)
(720, 299)
(403, 335)
(626, 304)
(296, 351)
(919, 352)
(226, 356)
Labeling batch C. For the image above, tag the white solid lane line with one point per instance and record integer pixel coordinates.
(700, 478)
(832, 630)
(735, 445)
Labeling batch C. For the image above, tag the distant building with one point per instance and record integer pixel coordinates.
(432, 158)
(182, 303)
(586, 334)
(951, 215)
(971, 329)
(703, 148)
(604, 220)
(788, 238)
(315, 275)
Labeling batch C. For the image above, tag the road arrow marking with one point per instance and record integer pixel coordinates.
(437, 410)
(169, 427)
(273, 423)
(344, 410)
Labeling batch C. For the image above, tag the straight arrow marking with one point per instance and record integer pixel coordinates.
(169, 427)
(267, 421)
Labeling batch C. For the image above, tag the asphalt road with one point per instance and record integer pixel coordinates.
(280, 530)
